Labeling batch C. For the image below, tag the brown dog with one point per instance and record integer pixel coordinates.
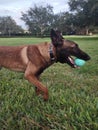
(33, 59)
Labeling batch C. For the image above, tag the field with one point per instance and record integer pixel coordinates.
(73, 101)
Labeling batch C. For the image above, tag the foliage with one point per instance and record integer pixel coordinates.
(8, 26)
(81, 17)
(85, 12)
(73, 101)
(38, 19)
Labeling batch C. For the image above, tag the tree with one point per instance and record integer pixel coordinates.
(38, 19)
(8, 26)
(64, 21)
(85, 13)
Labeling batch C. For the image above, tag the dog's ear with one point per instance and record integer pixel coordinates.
(53, 33)
(56, 37)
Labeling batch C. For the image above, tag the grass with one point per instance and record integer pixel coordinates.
(73, 101)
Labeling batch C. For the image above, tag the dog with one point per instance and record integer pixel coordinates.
(32, 60)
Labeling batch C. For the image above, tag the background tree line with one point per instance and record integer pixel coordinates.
(9, 27)
(82, 18)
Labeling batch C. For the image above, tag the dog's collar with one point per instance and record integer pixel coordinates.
(51, 53)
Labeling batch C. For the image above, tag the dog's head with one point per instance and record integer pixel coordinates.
(65, 49)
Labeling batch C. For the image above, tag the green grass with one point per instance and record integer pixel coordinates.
(21, 41)
(73, 101)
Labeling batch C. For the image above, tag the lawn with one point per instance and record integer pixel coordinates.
(73, 101)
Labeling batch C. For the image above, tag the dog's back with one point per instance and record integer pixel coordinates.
(17, 57)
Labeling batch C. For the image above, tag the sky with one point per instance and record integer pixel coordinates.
(14, 8)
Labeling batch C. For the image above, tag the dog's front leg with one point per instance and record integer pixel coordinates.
(38, 92)
(40, 87)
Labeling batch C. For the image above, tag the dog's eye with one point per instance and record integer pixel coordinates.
(76, 45)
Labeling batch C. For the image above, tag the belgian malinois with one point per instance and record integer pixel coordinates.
(33, 59)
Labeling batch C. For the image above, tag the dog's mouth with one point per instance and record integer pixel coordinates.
(70, 61)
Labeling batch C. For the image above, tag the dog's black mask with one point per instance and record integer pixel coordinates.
(65, 49)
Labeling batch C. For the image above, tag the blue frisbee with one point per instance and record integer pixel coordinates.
(79, 62)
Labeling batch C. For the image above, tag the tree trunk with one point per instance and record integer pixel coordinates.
(87, 30)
